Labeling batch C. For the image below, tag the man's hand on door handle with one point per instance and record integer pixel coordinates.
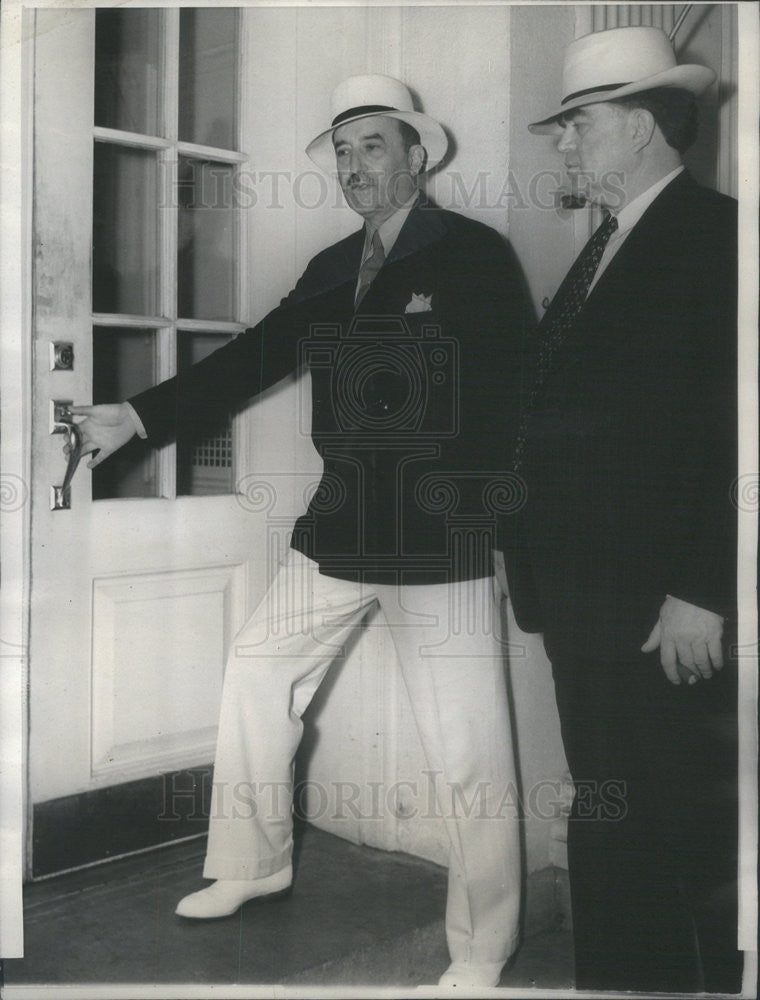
(104, 430)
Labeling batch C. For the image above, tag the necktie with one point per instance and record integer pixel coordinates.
(372, 264)
(560, 317)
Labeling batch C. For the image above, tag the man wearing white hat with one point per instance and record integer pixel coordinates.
(624, 555)
(410, 328)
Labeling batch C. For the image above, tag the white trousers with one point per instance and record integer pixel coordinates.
(453, 669)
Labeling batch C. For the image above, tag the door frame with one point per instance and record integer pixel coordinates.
(17, 383)
(16, 102)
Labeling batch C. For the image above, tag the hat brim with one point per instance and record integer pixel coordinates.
(432, 137)
(688, 77)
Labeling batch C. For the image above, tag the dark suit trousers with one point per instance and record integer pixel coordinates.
(652, 838)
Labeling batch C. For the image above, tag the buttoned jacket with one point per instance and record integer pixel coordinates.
(630, 457)
(408, 397)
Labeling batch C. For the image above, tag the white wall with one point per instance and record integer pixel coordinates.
(542, 237)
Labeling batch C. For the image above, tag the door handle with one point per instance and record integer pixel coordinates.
(60, 496)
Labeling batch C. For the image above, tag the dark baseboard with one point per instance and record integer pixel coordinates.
(96, 826)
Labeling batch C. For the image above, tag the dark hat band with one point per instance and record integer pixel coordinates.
(365, 109)
(593, 90)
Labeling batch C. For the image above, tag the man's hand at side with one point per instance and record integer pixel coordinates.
(105, 429)
(690, 638)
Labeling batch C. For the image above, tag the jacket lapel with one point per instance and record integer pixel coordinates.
(651, 233)
(424, 226)
(643, 250)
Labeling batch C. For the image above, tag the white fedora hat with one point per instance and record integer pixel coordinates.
(365, 96)
(618, 62)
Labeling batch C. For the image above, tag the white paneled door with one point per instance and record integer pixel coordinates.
(137, 587)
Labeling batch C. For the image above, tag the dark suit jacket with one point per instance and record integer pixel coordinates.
(408, 406)
(631, 450)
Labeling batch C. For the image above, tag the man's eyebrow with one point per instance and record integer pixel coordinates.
(573, 116)
(362, 138)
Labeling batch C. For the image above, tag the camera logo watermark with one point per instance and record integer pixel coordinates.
(14, 493)
(745, 493)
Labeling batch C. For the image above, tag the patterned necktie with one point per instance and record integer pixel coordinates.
(560, 317)
(372, 264)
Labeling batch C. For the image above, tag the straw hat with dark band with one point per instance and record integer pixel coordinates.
(366, 96)
(619, 62)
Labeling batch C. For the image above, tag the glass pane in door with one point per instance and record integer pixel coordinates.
(204, 453)
(125, 231)
(127, 60)
(124, 363)
(207, 238)
(208, 77)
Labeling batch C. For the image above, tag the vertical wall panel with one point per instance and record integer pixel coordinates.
(542, 238)
(467, 90)
(708, 36)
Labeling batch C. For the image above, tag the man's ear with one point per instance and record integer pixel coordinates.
(417, 156)
(643, 127)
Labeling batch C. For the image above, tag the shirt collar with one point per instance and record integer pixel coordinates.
(389, 229)
(628, 216)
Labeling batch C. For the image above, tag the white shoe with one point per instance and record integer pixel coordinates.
(225, 896)
(468, 977)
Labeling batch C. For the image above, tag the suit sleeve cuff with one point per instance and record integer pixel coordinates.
(135, 418)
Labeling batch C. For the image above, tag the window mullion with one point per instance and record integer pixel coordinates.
(169, 207)
(135, 140)
(241, 436)
(209, 326)
(128, 320)
(167, 224)
(200, 152)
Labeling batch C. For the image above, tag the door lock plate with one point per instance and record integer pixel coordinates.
(61, 356)
(60, 417)
(60, 499)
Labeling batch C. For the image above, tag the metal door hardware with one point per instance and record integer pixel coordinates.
(60, 415)
(61, 356)
(63, 423)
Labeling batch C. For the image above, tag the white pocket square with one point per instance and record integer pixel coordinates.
(419, 304)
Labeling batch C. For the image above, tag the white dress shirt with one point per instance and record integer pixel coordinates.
(388, 230)
(627, 218)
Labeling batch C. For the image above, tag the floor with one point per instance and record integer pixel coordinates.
(355, 916)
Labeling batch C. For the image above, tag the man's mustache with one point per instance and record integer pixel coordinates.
(355, 180)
